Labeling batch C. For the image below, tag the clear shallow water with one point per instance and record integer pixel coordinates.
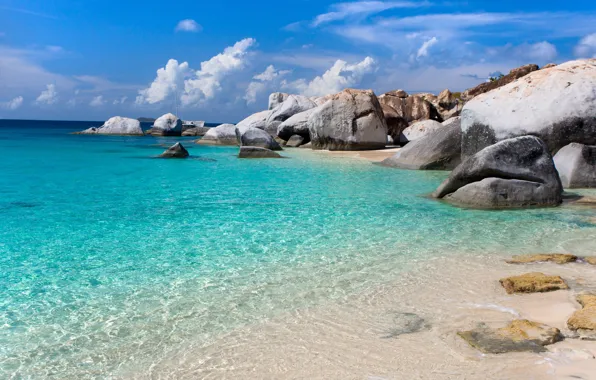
(111, 260)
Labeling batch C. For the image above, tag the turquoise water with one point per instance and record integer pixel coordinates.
(111, 260)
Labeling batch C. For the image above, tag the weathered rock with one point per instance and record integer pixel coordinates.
(189, 124)
(175, 151)
(557, 258)
(410, 108)
(489, 86)
(576, 164)
(277, 98)
(256, 152)
(295, 125)
(280, 141)
(295, 141)
(532, 283)
(548, 66)
(224, 134)
(419, 130)
(350, 120)
(256, 120)
(584, 319)
(447, 105)
(438, 150)
(293, 105)
(306, 146)
(517, 172)
(395, 123)
(116, 126)
(590, 260)
(254, 137)
(520, 335)
(196, 131)
(167, 125)
(555, 104)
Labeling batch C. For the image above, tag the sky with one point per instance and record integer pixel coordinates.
(219, 60)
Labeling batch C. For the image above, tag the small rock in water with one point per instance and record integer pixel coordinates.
(256, 152)
(532, 283)
(175, 151)
(520, 335)
(557, 258)
(406, 323)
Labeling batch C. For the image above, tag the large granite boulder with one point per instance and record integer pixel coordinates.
(411, 108)
(437, 150)
(350, 120)
(555, 104)
(395, 123)
(516, 172)
(576, 164)
(256, 120)
(500, 82)
(175, 151)
(293, 105)
(295, 125)
(277, 98)
(418, 130)
(224, 134)
(248, 136)
(167, 125)
(116, 126)
(256, 152)
(195, 131)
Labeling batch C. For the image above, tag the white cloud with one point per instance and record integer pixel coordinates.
(54, 48)
(342, 11)
(48, 96)
(121, 100)
(263, 81)
(340, 76)
(586, 47)
(169, 79)
(12, 104)
(423, 51)
(542, 51)
(97, 101)
(188, 25)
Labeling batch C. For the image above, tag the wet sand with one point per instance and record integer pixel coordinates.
(370, 155)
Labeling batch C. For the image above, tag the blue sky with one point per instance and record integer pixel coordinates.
(91, 59)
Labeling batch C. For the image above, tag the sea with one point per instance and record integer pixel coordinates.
(113, 261)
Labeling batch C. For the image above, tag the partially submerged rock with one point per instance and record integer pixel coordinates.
(557, 258)
(513, 173)
(533, 283)
(175, 151)
(576, 164)
(224, 134)
(520, 335)
(255, 137)
(167, 125)
(349, 120)
(256, 152)
(584, 319)
(116, 126)
(196, 131)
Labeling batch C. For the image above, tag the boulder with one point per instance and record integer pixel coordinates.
(520, 335)
(293, 105)
(350, 120)
(395, 123)
(517, 172)
(256, 120)
(494, 84)
(440, 149)
(576, 164)
(295, 141)
(533, 283)
(188, 124)
(117, 126)
(555, 104)
(254, 137)
(167, 125)
(277, 98)
(175, 151)
(557, 258)
(447, 104)
(584, 319)
(411, 108)
(295, 125)
(419, 130)
(224, 134)
(256, 152)
(195, 131)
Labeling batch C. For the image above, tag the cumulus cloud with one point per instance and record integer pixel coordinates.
(586, 47)
(340, 76)
(121, 100)
(423, 51)
(97, 101)
(188, 25)
(12, 104)
(263, 81)
(169, 79)
(542, 51)
(48, 96)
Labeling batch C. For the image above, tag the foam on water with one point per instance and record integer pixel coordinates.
(111, 261)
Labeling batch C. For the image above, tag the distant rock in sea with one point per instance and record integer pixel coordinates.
(224, 134)
(116, 126)
(166, 125)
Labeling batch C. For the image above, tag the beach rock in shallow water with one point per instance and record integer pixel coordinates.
(167, 125)
(175, 151)
(295, 125)
(256, 152)
(406, 323)
(584, 319)
(576, 164)
(438, 150)
(196, 131)
(556, 105)
(224, 134)
(277, 98)
(418, 130)
(532, 283)
(349, 120)
(252, 137)
(520, 335)
(492, 85)
(557, 258)
(295, 141)
(517, 172)
(117, 126)
(256, 120)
